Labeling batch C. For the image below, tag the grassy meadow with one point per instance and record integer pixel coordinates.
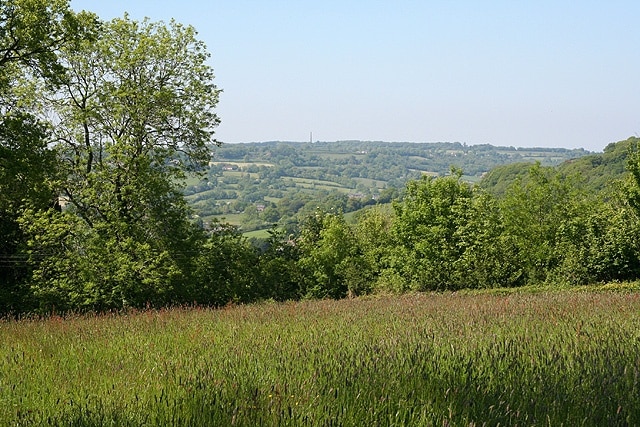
(454, 359)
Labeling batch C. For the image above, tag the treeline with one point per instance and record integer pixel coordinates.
(443, 234)
(100, 123)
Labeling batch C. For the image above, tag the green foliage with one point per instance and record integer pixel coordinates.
(566, 234)
(92, 214)
(372, 231)
(27, 169)
(14, 291)
(92, 268)
(498, 180)
(547, 228)
(451, 236)
(533, 212)
(631, 186)
(328, 255)
(596, 172)
(488, 258)
(137, 112)
(599, 171)
(280, 274)
(32, 32)
(134, 111)
(225, 270)
(26, 165)
(601, 244)
(426, 227)
(133, 105)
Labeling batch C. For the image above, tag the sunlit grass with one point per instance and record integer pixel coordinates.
(550, 358)
(258, 234)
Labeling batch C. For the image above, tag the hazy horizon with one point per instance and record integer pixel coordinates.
(292, 141)
(539, 74)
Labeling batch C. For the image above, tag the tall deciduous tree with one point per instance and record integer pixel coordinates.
(135, 111)
(32, 32)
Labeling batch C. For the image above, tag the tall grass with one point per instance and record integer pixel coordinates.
(429, 359)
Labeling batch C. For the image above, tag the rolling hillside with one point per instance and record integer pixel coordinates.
(593, 171)
(255, 185)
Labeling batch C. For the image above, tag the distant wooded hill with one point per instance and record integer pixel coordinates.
(595, 171)
(255, 185)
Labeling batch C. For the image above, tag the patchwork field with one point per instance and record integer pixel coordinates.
(561, 358)
(328, 174)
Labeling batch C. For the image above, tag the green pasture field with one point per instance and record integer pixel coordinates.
(430, 173)
(244, 164)
(343, 190)
(229, 218)
(201, 194)
(258, 234)
(241, 174)
(371, 183)
(308, 183)
(454, 359)
(191, 179)
(544, 157)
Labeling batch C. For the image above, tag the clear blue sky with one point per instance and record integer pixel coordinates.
(522, 73)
